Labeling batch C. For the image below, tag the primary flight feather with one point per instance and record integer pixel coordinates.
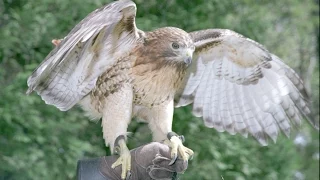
(116, 71)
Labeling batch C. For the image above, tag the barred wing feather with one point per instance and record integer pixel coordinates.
(237, 86)
(70, 71)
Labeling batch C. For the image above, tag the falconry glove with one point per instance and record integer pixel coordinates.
(150, 161)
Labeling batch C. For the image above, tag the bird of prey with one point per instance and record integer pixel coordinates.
(116, 71)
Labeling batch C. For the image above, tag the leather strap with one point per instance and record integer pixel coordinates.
(116, 144)
(181, 137)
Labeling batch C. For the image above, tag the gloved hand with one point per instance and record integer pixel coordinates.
(150, 161)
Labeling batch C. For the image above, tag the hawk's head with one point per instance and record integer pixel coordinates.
(168, 45)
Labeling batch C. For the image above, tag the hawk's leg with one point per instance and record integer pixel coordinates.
(160, 124)
(175, 142)
(117, 114)
(121, 148)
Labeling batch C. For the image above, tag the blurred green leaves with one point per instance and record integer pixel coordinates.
(38, 141)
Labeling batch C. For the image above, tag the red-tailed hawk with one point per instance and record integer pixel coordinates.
(116, 71)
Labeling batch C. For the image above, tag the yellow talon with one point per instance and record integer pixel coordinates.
(124, 159)
(178, 149)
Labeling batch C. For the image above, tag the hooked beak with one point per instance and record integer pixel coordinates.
(188, 58)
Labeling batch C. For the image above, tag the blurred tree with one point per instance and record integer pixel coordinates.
(39, 142)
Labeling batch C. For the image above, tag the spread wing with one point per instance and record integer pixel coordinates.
(70, 71)
(236, 85)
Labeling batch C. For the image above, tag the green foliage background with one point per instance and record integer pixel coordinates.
(40, 142)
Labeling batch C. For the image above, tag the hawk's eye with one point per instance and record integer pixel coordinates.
(175, 45)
